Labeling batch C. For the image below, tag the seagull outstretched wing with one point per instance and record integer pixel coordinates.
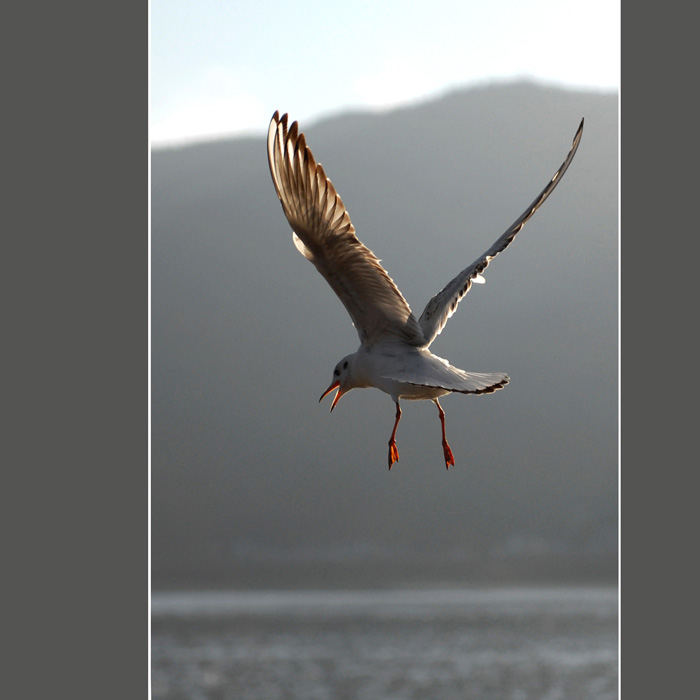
(443, 305)
(324, 234)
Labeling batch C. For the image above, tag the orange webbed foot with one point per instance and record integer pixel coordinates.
(393, 453)
(449, 457)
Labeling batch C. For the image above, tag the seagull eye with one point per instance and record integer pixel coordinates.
(336, 372)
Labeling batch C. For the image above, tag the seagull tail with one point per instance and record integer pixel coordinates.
(477, 382)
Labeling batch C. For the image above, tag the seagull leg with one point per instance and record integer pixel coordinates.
(393, 451)
(449, 458)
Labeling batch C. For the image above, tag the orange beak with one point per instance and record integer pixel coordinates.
(335, 385)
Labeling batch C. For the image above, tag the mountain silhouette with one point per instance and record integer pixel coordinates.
(254, 483)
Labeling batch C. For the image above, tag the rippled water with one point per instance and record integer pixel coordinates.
(490, 644)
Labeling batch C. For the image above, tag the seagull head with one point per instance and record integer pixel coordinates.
(342, 380)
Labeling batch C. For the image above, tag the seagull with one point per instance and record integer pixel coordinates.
(393, 355)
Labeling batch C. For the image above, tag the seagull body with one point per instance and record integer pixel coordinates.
(393, 355)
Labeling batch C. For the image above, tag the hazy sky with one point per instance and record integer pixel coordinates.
(221, 67)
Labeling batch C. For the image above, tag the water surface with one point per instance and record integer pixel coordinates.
(454, 644)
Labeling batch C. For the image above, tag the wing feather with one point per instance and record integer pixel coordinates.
(443, 305)
(324, 234)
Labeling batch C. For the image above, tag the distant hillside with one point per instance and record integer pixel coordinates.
(253, 481)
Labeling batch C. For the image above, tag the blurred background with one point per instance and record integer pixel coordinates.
(438, 124)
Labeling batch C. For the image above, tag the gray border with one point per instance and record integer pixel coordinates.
(659, 352)
(78, 366)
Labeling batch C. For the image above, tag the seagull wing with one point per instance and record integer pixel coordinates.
(443, 305)
(324, 234)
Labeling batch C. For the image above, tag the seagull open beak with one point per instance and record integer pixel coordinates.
(335, 385)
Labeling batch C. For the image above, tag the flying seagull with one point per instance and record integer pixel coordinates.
(393, 355)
